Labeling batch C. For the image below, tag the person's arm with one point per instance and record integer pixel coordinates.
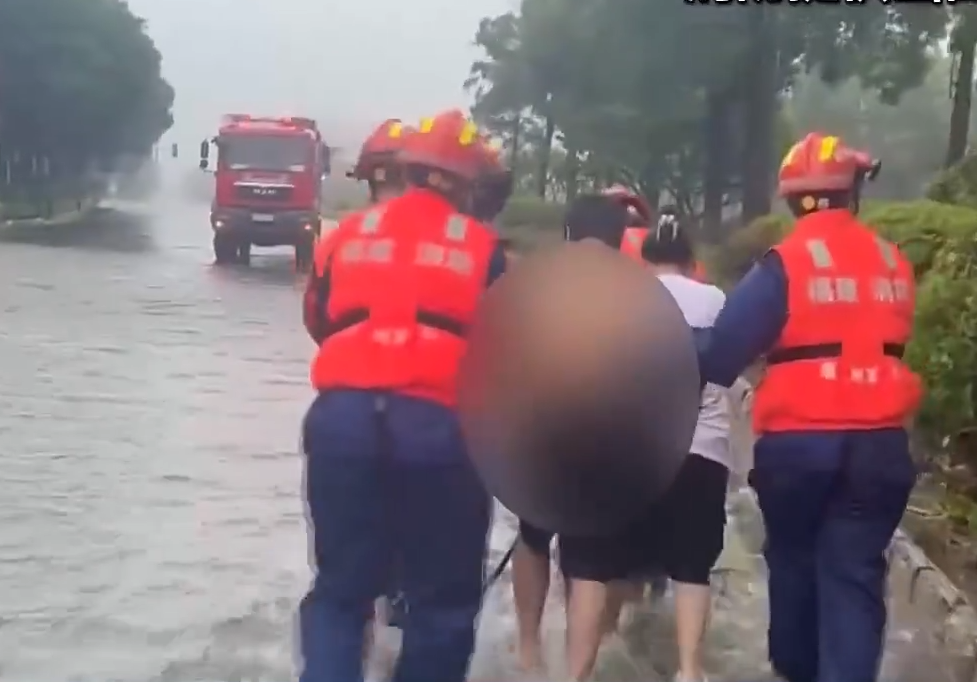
(497, 264)
(316, 299)
(748, 326)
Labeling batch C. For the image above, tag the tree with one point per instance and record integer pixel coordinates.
(80, 83)
(963, 47)
(909, 138)
(679, 102)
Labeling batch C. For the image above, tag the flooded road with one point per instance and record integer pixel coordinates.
(151, 524)
(152, 527)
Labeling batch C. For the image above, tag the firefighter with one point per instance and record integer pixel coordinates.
(639, 219)
(389, 484)
(377, 163)
(830, 309)
(378, 166)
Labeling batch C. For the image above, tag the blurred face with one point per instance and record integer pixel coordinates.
(579, 392)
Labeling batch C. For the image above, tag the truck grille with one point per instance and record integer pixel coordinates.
(260, 193)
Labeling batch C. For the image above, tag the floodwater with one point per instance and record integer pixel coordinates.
(151, 523)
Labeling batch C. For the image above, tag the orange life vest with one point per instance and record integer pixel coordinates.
(405, 278)
(634, 239)
(838, 364)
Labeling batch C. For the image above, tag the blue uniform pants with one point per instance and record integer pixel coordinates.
(391, 496)
(831, 503)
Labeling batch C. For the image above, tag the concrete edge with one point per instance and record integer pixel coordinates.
(914, 578)
(917, 581)
(61, 219)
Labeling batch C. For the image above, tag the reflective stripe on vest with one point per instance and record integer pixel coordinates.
(823, 289)
(428, 253)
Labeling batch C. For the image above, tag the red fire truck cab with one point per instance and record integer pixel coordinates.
(268, 185)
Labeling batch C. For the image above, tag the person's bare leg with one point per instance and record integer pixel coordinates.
(586, 614)
(530, 585)
(692, 606)
(621, 593)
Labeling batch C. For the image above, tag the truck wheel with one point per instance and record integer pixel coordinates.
(225, 250)
(244, 253)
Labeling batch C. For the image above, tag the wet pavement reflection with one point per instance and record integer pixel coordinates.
(151, 524)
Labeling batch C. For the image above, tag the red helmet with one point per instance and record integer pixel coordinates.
(448, 142)
(633, 201)
(823, 163)
(380, 148)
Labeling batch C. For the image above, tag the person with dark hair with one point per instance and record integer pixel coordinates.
(683, 533)
(589, 565)
(830, 310)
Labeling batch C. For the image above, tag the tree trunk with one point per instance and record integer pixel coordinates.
(572, 179)
(543, 172)
(717, 146)
(516, 142)
(760, 100)
(963, 89)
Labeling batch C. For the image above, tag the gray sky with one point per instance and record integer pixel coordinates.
(348, 63)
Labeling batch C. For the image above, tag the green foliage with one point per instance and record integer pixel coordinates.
(600, 79)
(81, 85)
(944, 347)
(734, 257)
(957, 185)
(921, 228)
(526, 212)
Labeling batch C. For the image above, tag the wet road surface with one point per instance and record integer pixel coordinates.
(151, 527)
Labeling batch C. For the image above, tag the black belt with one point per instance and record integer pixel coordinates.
(824, 350)
(425, 318)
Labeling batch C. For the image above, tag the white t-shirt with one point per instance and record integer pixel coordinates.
(701, 304)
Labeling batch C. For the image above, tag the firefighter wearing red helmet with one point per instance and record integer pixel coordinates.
(389, 486)
(830, 309)
(377, 164)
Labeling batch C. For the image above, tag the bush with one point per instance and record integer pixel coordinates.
(944, 345)
(529, 221)
(956, 185)
(921, 228)
(526, 211)
(731, 260)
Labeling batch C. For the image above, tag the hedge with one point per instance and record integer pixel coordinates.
(529, 221)
(920, 227)
(957, 185)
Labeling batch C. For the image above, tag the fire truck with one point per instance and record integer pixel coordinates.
(268, 186)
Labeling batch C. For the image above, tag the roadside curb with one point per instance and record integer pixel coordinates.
(914, 578)
(917, 583)
(60, 219)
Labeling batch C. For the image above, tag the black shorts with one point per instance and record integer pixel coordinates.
(681, 535)
(581, 558)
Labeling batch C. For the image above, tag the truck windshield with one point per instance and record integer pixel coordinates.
(271, 153)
